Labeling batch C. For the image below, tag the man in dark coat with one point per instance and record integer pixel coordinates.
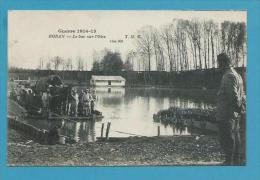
(230, 99)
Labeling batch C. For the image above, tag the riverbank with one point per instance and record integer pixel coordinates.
(133, 151)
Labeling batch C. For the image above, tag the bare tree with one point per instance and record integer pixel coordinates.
(86, 65)
(233, 40)
(145, 43)
(166, 34)
(180, 40)
(130, 58)
(57, 61)
(80, 63)
(190, 44)
(41, 63)
(68, 64)
(48, 65)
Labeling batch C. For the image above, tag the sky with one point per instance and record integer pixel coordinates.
(31, 32)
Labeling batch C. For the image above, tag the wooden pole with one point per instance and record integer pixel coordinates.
(158, 130)
(108, 128)
(102, 128)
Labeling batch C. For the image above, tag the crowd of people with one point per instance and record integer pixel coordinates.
(55, 100)
(81, 102)
(24, 95)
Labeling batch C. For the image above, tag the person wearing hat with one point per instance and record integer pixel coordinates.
(86, 101)
(74, 103)
(230, 98)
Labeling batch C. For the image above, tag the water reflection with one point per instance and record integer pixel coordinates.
(116, 91)
(130, 112)
(190, 127)
(75, 130)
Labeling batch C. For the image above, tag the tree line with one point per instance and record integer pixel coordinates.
(60, 63)
(184, 45)
(180, 45)
(105, 60)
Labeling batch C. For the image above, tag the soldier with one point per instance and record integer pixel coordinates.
(74, 102)
(80, 104)
(92, 106)
(229, 105)
(86, 100)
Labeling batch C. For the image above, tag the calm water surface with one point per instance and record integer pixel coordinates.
(130, 112)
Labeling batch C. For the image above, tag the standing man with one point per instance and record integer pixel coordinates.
(76, 96)
(86, 101)
(80, 104)
(230, 99)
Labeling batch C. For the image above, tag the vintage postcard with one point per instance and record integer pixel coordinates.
(126, 87)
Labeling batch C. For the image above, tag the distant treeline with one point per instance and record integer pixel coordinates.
(183, 45)
(179, 45)
(209, 78)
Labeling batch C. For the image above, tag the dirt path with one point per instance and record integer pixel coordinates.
(190, 150)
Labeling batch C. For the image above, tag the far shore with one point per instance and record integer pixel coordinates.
(150, 86)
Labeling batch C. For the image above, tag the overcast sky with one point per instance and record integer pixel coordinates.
(28, 31)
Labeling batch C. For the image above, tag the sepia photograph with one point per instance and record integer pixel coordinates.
(126, 88)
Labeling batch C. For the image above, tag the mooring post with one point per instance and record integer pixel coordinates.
(158, 130)
(108, 128)
(102, 128)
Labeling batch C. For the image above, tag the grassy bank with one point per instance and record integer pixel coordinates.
(177, 150)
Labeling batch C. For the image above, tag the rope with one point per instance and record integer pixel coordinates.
(127, 133)
(121, 132)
